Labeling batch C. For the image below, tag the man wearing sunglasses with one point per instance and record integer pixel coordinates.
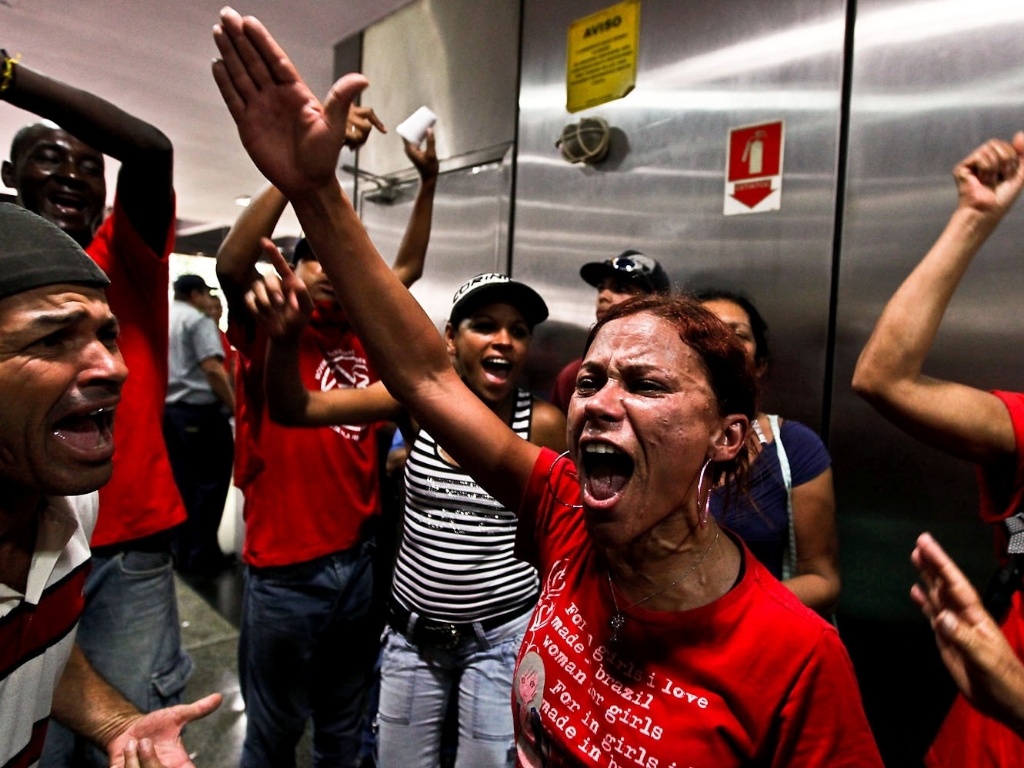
(629, 274)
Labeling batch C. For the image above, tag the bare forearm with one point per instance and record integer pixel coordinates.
(964, 421)
(88, 705)
(217, 376)
(907, 327)
(412, 253)
(815, 591)
(1010, 708)
(287, 398)
(365, 284)
(238, 254)
(88, 117)
(145, 182)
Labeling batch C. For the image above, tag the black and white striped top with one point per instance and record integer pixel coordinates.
(455, 559)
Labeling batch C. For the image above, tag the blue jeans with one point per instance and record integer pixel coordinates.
(417, 683)
(131, 634)
(306, 650)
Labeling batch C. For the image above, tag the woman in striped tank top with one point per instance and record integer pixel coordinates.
(460, 599)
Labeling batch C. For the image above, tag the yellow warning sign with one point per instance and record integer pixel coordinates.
(602, 53)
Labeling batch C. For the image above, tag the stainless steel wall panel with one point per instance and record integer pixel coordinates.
(466, 237)
(458, 57)
(662, 188)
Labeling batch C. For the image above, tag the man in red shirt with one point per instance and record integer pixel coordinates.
(312, 501)
(58, 172)
(981, 426)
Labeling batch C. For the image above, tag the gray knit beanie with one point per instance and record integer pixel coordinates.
(34, 253)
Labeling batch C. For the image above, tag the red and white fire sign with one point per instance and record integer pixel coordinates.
(753, 179)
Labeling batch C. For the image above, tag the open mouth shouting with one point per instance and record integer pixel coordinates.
(606, 470)
(69, 209)
(498, 369)
(89, 435)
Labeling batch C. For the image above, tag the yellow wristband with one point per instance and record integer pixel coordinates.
(7, 74)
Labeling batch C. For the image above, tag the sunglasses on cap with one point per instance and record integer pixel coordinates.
(630, 264)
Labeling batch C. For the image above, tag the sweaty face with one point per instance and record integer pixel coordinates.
(735, 317)
(312, 275)
(61, 179)
(612, 291)
(489, 350)
(642, 422)
(60, 364)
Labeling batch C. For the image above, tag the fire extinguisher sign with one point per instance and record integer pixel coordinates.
(753, 179)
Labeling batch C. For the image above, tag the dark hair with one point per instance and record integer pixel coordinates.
(29, 134)
(757, 324)
(725, 361)
(25, 135)
(302, 251)
(187, 284)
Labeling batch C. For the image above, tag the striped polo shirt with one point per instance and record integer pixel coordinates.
(37, 628)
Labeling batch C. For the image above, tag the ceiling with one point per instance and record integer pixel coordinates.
(152, 58)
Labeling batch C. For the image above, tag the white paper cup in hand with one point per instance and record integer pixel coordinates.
(414, 128)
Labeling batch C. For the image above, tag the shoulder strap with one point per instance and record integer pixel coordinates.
(789, 556)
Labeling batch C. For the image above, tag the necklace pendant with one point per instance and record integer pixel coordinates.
(616, 622)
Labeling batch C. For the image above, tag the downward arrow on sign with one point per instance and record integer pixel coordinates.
(751, 193)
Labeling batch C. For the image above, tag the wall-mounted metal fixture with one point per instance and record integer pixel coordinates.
(587, 141)
(387, 188)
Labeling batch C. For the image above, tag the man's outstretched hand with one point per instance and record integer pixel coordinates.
(154, 740)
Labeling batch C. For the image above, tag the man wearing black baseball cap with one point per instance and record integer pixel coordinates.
(631, 273)
(61, 375)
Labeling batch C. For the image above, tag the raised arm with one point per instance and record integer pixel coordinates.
(961, 420)
(293, 139)
(241, 248)
(144, 182)
(412, 253)
(973, 648)
(283, 306)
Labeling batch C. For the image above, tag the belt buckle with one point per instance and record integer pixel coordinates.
(441, 635)
(450, 637)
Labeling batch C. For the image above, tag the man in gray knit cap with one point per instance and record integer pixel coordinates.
(60, 383)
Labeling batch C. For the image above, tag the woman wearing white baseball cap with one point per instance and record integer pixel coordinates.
(460, 599)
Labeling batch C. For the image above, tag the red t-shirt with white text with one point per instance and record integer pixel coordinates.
(309, 491)
(754, 678)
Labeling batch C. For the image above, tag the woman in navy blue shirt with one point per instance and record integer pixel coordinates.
(787, 513)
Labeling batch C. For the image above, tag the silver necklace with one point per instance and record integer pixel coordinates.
(618, 619)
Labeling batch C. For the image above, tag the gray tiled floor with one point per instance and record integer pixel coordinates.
(212, 641)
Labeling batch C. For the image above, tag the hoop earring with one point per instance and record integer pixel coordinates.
(554, 493)
(706, 506)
